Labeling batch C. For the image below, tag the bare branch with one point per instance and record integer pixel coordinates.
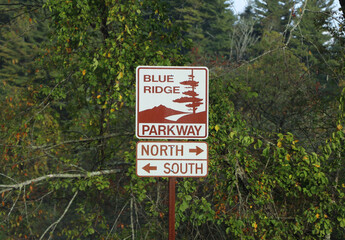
(4, 175)
(26, 211)
(288, 41)
(265, 53)
(54, 224)
(296, 25)
(244, 37)
(117, 218)
(14, 204)
(57, 175)
(131, 215)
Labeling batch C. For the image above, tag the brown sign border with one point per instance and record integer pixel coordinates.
(137, 102)
(179, 142)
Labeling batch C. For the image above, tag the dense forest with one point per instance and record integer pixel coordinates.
(276, 119)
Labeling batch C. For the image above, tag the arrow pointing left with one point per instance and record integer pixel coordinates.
(148, 168)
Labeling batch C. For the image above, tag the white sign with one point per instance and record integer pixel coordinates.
(172, 159)
(172, 102)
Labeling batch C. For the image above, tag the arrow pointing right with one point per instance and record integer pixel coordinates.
(148, 168)
(197, 150)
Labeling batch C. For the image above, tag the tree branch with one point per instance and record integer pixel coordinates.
(54, 224)
(14, 204)
(117, 218)
(299, 21)
(57, 175)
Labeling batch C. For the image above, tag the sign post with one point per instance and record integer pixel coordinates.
(172, 187)
(171, 103)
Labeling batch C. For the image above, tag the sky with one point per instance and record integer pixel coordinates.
(239, 5)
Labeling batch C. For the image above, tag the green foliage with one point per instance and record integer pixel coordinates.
(21, 33)
(262, 189)
(82, 120)
(208, 24)
(276, 168)
(97, 46)
(274, 15)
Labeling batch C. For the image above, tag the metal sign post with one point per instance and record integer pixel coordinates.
(172, 187)
(172, 159)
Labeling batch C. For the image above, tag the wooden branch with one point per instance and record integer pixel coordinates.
(117, 218)
(54, 224)
(14, 204)
(9, 187)
(299, 21)
(265, 53)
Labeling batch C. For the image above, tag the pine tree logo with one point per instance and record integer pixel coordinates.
(192, 100)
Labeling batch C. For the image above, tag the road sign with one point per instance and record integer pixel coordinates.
(171, 102)
(172, 159)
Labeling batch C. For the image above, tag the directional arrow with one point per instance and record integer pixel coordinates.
(148, 168)
(197, 150)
